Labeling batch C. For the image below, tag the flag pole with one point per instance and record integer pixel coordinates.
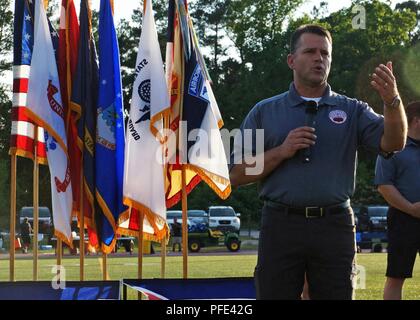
(184, 225)
(82, 228)
(13, 163)
(140, 249)
(59, 244)
(36, 206)
(104, 266)
(59, 256)
(163, 258)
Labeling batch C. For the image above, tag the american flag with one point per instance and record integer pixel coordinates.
(24, 132)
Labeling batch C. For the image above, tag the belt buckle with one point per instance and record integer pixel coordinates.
(308, 214)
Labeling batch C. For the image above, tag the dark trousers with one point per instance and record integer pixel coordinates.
(403, 243)
(291, 245)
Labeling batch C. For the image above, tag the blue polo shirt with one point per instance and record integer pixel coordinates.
(402, 171)
(342, 126)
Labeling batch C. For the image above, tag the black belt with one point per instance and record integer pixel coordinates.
(310, 212)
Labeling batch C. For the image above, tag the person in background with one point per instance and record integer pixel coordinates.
(176, 235)
(398, 181)
(25, 232)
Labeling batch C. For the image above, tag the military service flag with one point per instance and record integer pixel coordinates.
(144, 166)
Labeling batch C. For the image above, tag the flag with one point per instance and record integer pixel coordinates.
(45, 108)
(24, 134)
(84, 102)
(194, 115)
(67, 63)
(174, 77)
(144, 188)
(110, 137)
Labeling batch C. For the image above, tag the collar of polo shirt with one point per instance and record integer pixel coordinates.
(294, 98)
(411, 141)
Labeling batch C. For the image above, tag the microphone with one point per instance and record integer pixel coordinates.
(311, 108)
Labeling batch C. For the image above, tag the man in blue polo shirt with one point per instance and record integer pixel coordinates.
(308, 172)
(398, 180)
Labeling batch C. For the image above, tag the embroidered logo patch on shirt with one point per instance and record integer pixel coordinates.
(338, 116)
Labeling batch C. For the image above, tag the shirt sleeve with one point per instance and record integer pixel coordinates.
(370, 128)
(385, 171)
(245, 139)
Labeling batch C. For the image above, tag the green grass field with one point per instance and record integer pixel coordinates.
(210, 266)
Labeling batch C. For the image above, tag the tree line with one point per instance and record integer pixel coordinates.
(246, 45)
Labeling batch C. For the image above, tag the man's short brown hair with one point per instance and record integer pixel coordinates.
(308, 28)
(412, 110)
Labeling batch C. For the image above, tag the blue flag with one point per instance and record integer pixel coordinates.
(23, 33)
(110, 137)
(84, 103)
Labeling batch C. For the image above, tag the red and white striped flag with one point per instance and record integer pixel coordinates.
(24, 134)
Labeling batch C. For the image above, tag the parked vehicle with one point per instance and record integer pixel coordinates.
(372, 219)
(373, 241)
(196, 218)
(224, 218)
(201, 235)
(171, 214)
(371, 227)
(208, 237)
(199, 220)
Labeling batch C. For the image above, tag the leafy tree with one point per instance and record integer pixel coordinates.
(413, 6)
(128, 38)
(365, 191)
(5, 106)
(253, 26)
(386, 31)
(320, 11)
(210, 19)
(6, 35)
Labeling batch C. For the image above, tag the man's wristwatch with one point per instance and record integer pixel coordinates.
(394, 104)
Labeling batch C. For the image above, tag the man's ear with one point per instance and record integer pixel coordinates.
(290, 60)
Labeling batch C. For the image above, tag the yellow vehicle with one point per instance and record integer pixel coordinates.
(207, 238)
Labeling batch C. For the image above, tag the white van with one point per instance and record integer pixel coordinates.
(224, 218)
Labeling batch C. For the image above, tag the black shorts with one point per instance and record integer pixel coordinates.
(403, 243)
(291, 246)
